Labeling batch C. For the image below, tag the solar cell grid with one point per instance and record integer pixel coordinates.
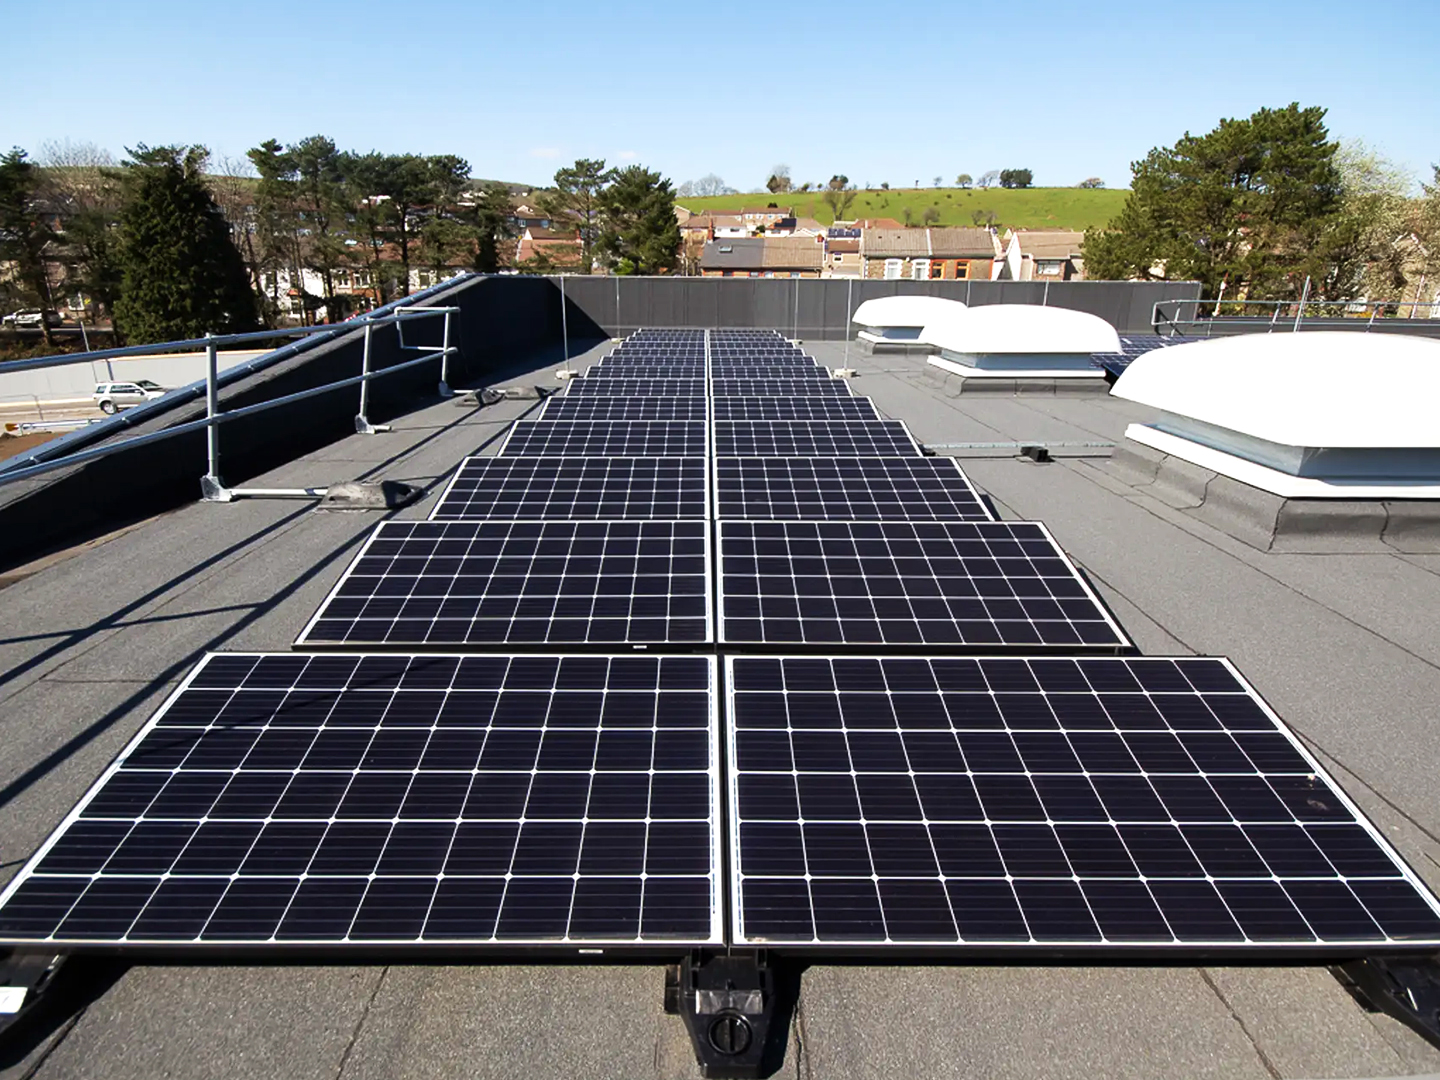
(720, 386)
(975, 584)
(795, 408)
(521, 584)
(575, 488)
(443, 801)
(848, 489)
(1050, 803)
(600, 438)
(601, 407)
(813, 438)
(636, 387)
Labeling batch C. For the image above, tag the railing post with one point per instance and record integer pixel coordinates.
(1304, 295)
(362, 419)
(445, 359)
(212, 488)
(564, 325)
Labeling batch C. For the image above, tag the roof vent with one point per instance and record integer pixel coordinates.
(896, 321)
(1320, 414)
(1009, 340)
(726, 249)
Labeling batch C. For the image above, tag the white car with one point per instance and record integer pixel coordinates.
(30, 318)
(112, 396)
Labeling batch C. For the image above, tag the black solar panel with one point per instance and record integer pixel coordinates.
(795, 408)
(803, 438)
(647, 371)
(980, 585)
(1044, 804)
(636, 387)
(774, 387)
(1134, 345)
(845, 489)
(435, 801)
(601, 438)
(519, 488)
(597, 407)
(516, 584)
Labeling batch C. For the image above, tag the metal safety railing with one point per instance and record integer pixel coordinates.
(213, 488)
(1184, 317)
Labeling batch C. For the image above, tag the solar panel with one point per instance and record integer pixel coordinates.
(977, 584)
(619, 408)
(1134, 345)
(795, 408)
(637, 387)
(519, 584)
(1044, 804)
(804, 438)
(773, 387)
(430, 802)
(647, 371)
(599, 438)
(519, 488)
(845, 489)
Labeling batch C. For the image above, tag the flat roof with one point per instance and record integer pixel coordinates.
(1345, 646)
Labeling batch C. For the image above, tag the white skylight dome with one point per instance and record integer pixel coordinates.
(900, 318)
(1022, 328)
(1315, 414)
(1028, 338)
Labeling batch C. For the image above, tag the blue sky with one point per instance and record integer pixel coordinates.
(881, 91)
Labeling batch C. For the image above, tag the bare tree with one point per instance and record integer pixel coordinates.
(779, 181)
(80, 182)
(988, 179)
(233, 181)
(704, 187)
(839, 195)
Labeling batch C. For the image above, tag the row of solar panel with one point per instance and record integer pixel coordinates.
(560, 800)
(499, 800)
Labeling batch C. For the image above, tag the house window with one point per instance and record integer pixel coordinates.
(920, 269)
(1049, 269)
(361, 278)
(962, 270)
(893, 268)
(937, 269)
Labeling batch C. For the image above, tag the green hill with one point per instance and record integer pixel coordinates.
(1019, 208)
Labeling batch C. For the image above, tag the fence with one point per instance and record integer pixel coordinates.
(820, 308)
(1208, 318)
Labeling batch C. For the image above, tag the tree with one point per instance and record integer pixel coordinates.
(907, 215)
(930, 216)
(839, 195)
(1091, 183)
(443, 240)
(491, 219)
(1356, 252)
(1016, 178)
(885, 185)
(1248, 203)
(25, 234)
(779, 181)
(277, 225)
(575, 202)
(80, 183)
(182, 276)
(939, 180)
(706, 187)
(987, 179)
(639, 233)
(375, 214)
(964, 180)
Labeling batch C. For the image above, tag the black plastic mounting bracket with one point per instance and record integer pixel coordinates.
(737, 1009)
(1405, 987)
(24, 977)
(1038, 454)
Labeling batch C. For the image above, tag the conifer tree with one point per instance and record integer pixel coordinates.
(182, 275)
(639, 234)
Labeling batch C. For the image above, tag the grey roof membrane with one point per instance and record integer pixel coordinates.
(1345, 647)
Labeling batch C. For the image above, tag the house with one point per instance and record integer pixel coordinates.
(547, 249)
(793, 226)
(922, 254)
(756, 216)
(763, 257)
(1042, 255)
(527, 216)
(842, 257)
(729, 225)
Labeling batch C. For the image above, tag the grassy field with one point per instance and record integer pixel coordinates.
(1019, 208)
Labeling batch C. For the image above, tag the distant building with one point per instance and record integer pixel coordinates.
(549, 248)
(763, 257)
(842, 257)
(928, 254)
(1042, 255)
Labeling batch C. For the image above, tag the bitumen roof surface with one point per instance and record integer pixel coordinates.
(1346, 647)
